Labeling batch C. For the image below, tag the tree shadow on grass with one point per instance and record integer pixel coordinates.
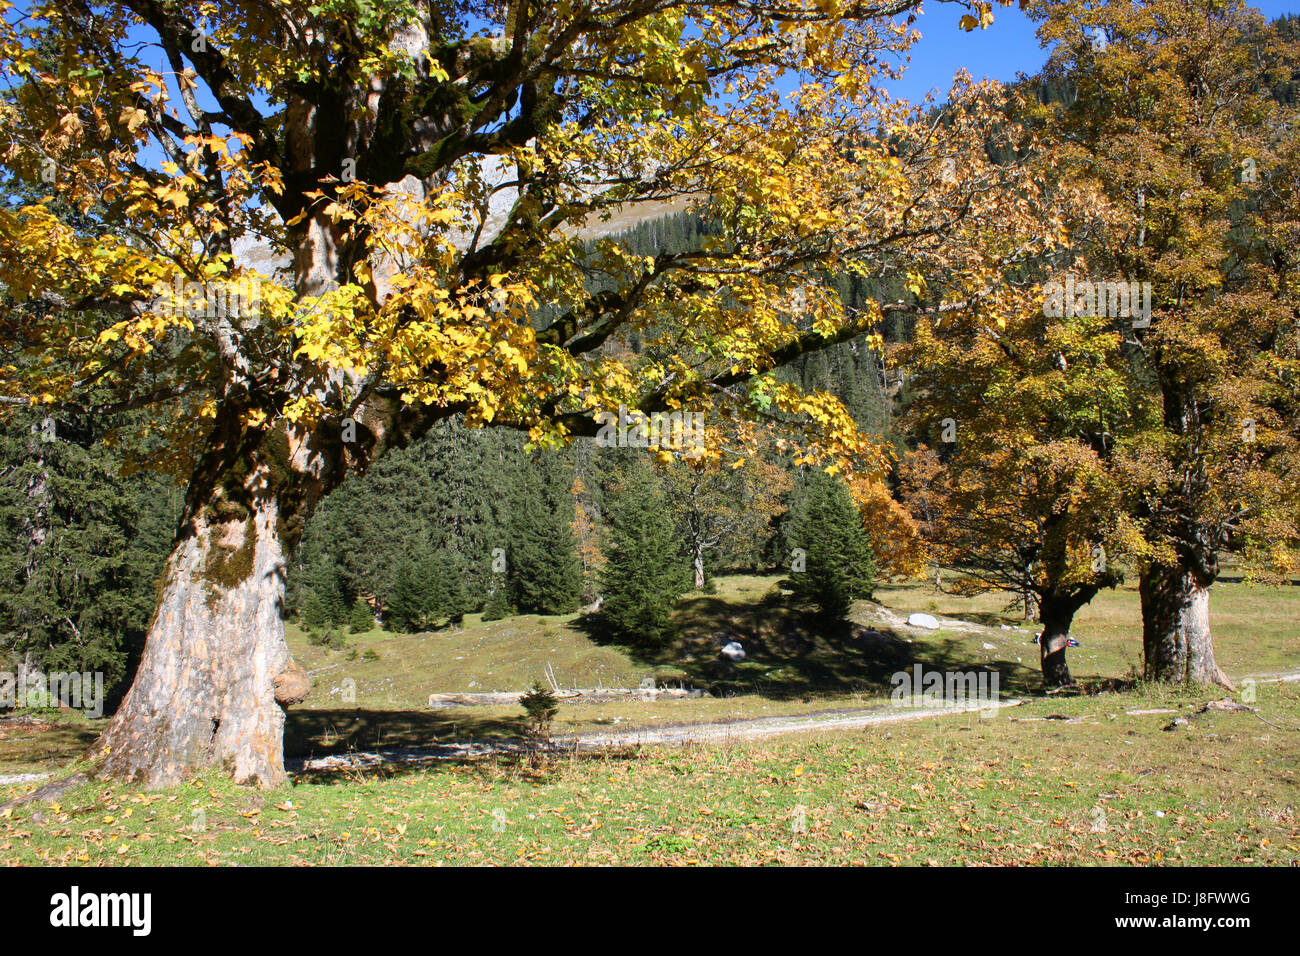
(515, 766)
(26, 742)
(319, 733)
(969, 615)
(794, 653)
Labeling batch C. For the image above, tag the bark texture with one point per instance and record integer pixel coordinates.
(1176, 640)
(1052, 647)
(205, 692)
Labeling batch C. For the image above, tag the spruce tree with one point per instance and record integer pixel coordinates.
(327, 585)
(428, 591)
(839, 566)
(360, 619)
(312, 616)
(408, 603)
(543, 574)
(498, 605)
(445, 586)
(80, 547)
(645, 574)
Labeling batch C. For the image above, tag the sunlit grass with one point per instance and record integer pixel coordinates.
(1107, 788)
(1078, 780)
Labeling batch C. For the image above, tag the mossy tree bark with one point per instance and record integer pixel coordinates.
(216, 672)
(205, 692)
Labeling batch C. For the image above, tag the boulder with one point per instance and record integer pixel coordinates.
(927, 621)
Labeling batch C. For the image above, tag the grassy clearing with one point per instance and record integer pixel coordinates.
(1109, 788)
(795, 665)
(790, 656)
(403, 669)
(793, 669)
(1105, 786)
(1256, 629)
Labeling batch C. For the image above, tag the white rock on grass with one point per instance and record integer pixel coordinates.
(927, 621)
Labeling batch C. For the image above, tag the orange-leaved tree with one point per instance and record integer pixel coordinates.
(1173, 118)
(1025, 410)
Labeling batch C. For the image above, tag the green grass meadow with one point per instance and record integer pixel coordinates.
(1079, 780)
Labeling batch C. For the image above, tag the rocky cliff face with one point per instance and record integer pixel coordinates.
(501, 174)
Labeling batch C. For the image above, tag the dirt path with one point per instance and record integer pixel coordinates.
(1281, 677)
(8, 779)
(753, 728)
(757, 728)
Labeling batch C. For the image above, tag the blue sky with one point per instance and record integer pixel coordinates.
(1007, 47)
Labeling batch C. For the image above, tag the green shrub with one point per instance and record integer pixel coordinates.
(498, 606)
(540, 708)
(331, 638)
(361, 619)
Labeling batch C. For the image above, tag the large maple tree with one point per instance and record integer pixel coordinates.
(1174, 120)
(1026, 410)
(428, 172)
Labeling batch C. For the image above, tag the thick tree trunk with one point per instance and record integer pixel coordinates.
(1052, 645)
(699, 569)
(216, 670)
(1176, 640)
(205, 693)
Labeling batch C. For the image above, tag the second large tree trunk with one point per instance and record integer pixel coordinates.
(1056, 617)
(215, 661)
(1176, 642)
